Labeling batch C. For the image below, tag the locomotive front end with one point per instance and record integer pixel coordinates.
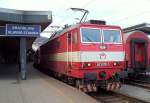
(102, 55)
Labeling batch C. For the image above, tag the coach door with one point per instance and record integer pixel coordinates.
(69, 49)
(139, 54)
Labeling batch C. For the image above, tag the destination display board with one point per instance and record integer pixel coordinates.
(23, 30)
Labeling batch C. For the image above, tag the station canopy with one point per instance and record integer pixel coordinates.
(145, 27)
(11, 16)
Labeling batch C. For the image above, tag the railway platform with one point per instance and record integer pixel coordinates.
(135, 92)
(38, 88)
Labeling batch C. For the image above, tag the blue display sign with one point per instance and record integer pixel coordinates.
(23, 30)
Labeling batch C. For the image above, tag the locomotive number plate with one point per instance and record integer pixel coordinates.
(102, 64)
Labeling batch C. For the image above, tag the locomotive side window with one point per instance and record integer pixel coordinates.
(75, 38)
(90, 35)
(69, 37)
(112, 36)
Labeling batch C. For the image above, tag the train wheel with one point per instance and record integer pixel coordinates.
(64, 79)
(81, 86)
(71, 81)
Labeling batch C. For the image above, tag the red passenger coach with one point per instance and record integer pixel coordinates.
(137, 52)
(91, 54)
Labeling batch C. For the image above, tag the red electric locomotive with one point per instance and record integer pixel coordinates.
(91, 54)
(137, 46)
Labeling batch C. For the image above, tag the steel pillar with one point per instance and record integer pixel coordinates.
(23, 69)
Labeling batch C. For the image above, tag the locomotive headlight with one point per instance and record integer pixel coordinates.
(115, 64)
(86, 65)
(89, 64)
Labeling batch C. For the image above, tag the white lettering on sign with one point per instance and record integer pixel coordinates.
(23, 30)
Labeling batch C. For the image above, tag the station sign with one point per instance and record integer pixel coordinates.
(23, 30)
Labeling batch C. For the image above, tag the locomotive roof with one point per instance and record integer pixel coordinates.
(60, 32)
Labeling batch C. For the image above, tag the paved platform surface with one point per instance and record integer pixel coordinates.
(135, 92)
(38, 88)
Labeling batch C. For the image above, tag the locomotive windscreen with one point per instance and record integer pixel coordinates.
(90, 35)
(112, 36)
(96, 35)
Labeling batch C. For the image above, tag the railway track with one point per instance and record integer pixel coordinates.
(143, 85)
(139, 83)
(112, 97)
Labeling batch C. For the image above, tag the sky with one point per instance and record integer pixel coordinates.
(124, 13)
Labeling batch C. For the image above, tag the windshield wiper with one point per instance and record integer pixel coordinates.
(90, 40)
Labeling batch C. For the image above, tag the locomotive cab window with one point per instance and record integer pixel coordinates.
(75, 38)
(89, 35)
(112, 36)
(69, 37)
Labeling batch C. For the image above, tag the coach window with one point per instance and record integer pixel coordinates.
(90, 35)
(112, 36)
